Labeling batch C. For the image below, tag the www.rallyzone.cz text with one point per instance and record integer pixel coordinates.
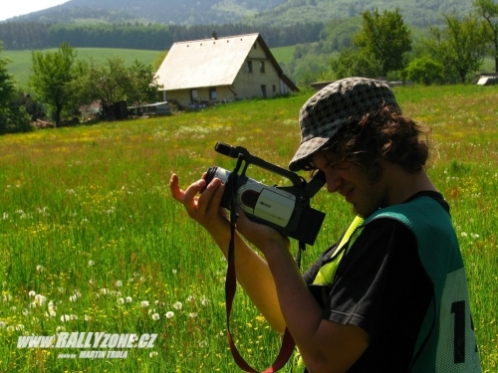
(88, 340)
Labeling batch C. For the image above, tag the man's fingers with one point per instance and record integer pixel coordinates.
(210, 197)
(174, 187)
(186, 197)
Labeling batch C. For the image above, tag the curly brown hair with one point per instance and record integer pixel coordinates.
(386, 135)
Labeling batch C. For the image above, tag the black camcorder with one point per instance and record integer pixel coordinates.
(284, 208)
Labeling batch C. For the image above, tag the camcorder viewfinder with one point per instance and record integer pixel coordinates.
(284, 208)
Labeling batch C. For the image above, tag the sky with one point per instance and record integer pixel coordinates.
(13, 8)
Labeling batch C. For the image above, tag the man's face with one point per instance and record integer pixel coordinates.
(349, 179)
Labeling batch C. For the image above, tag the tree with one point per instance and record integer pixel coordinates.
(112, 82)
(143, 86)
(13, 118)
(385, 38)
(460, 47)
(354, 62)
(425, 70)
(51, 78)
(489, 11)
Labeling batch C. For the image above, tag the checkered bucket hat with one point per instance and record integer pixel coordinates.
(342, 102)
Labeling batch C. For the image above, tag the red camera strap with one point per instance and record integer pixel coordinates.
(287, 342)
(231, 287)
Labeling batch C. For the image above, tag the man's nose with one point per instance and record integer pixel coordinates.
(334, 181)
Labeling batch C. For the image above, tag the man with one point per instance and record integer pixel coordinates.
(391, 295)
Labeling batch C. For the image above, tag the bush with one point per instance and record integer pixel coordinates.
(425, 70)
(15, 119)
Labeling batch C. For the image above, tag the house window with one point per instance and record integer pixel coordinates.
(263, 90)
(255, 46)
(262, 67)
(193, 95)
(274, 88)
(249, 66)
(212, 93)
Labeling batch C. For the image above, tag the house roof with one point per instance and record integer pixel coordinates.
(210, 62)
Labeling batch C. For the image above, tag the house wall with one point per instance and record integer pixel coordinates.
(223, 94)
(249, 84)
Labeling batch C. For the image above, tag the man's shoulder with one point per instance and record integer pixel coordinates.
(424, 206)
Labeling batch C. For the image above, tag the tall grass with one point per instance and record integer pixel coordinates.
(91, 240)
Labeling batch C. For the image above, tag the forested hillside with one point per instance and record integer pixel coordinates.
(415, 12)
(35, 35)
(157, 11)
(250, 12)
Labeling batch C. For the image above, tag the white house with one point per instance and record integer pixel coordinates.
(221, 70)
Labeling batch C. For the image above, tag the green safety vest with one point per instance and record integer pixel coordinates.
(446, 342)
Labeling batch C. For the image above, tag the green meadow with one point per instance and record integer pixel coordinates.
(20, 65)
(92, 242)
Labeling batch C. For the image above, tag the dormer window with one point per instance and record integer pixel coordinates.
(262, 67)
(249, 66)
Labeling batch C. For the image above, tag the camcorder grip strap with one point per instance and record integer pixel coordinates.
(230, 289)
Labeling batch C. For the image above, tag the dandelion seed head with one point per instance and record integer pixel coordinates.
(178, 305)
(40, 299)
(169, 314)
(144, 303)
(155, 317)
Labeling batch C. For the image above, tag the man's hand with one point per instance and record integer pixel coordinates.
(204, 208)
(260, 235)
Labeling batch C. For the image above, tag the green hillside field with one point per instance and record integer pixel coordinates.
(91, 240)
(20, 66)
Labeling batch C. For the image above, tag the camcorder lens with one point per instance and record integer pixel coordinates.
(223, 175)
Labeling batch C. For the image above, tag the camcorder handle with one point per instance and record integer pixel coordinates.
(234, 151)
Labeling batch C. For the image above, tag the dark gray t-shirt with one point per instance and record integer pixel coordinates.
(382, 287)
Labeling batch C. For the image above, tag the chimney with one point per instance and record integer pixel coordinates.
(215, 35)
